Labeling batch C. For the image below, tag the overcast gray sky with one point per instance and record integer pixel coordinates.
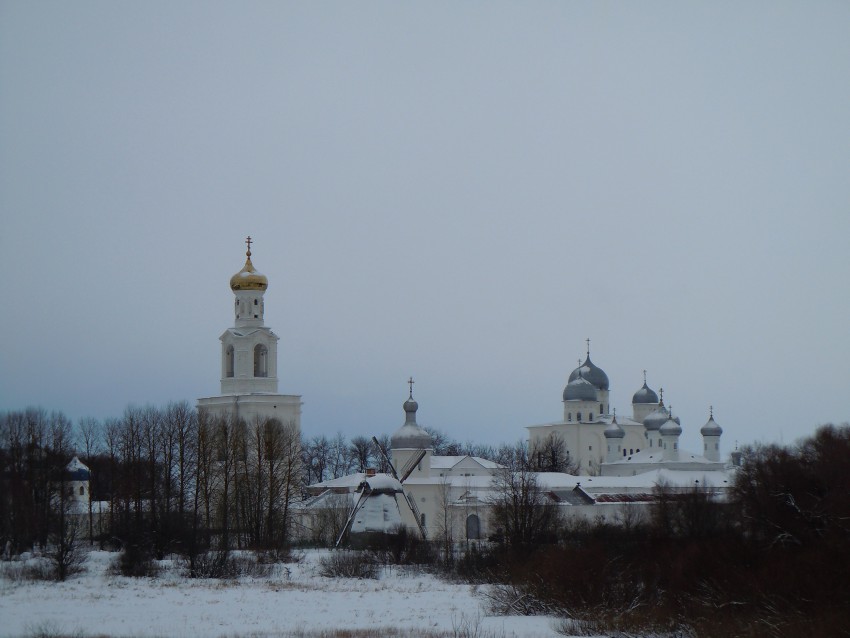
(458, 191)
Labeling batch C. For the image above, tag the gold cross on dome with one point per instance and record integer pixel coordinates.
(248, 241)
(588, 346)
(410, 382)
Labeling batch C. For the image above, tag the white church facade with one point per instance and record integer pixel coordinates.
(598, 442)
(249, 369)
(458, 490)
(448, 491)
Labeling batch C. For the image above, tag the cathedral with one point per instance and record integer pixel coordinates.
(249, 385)
(597, 442)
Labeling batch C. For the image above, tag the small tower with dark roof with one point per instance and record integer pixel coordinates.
(670, 433)
(644, 402)
(614, 435)
(711, 437)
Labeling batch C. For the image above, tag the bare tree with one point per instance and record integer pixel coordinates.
(63, 528)
(112, 440)
(520, 508)
(227, 441)
(288, 470)
(340, 456)
(550, 455)
(151, 464)
(206, 481)
(361, 452)
(182, 420)
(329, 520)
(445, 520)
(90, 435)
(63, 549)
(318, 457)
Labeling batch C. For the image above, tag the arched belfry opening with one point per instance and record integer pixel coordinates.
(229, 363)
(261, 361)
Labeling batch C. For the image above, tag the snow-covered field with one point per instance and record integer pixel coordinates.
(295, 599)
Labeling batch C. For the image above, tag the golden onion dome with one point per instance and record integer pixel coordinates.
(248, 278)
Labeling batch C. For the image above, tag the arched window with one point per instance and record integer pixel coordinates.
(624, 452)
(228, 363)
(570, 416)
(578, 416)
(261, 363)
(473, 527)
(601, 409)
(82, 491)
(590, 418)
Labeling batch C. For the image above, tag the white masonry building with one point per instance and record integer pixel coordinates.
(249, 381)
(598, 442)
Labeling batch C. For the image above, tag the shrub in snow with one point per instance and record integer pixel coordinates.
(135, 560)
(223, 564)
(349, 564)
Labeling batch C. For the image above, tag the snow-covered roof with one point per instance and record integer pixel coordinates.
(383, 483)
(645, 481)
(656, 455)
(601, 419)
(349, 481)
(448, 462)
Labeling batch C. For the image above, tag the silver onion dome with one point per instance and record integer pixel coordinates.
(410, 435)
(614, 431)
(657, 418)
(592, 373)
(711, 428)
(645, 395)
(671, 428)
(580, 389)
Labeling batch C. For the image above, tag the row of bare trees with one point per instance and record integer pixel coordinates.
(161, 479)
(35, 447)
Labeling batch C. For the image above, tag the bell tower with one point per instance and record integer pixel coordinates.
(249, 382)
(249, 349)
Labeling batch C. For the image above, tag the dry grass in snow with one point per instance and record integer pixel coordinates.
(293, 601)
